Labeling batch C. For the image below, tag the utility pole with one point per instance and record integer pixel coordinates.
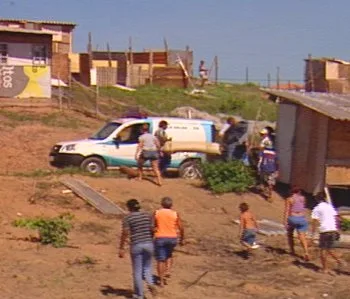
(278, 78)
(246, 75)
(216, 68)
(131, 65)
(269, 80)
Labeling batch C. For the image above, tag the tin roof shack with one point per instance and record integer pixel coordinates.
(313, 139)
(25, 63)
(327, 75)
(134, 68)
(62, 41)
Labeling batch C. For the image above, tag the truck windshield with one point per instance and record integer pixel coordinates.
(105, 131)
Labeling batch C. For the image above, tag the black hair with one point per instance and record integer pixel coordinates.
(244, 207)
(320, 196)
(163, 123)
(167, 202)
(133, 205)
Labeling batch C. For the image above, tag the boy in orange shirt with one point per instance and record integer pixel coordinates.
(248, 227)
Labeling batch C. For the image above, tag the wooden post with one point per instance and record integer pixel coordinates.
(216, 68)
(310, 73)
(328, 195)
(69, 102)
(150, 68)
(59, 92)
(131, 65)
(89, 50)
(246, 75)
(269, 80)
(166, 49)
(278, 77)
(109, 56)
(97, 96)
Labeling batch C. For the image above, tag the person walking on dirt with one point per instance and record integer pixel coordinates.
(295, 219)
(248, 228)
(139, 227)
(325, 216)
(165, 159)
(148, 149)
(268, 171)
(203, 73)
(168, 231)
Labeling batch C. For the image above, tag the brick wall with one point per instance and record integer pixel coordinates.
(60, 66)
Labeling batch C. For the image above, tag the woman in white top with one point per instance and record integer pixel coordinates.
(148, 149)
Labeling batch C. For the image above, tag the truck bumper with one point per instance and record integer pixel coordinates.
(63, 160)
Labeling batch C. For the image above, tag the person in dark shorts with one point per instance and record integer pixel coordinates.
(295, 219)
(325, 215)
(248, 227)
(139, 227)
(268, 171)
(168, 227)
(148, 149)
(165, 158)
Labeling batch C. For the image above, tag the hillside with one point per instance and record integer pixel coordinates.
(242, 100)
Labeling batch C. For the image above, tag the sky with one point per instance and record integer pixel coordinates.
(258, 35)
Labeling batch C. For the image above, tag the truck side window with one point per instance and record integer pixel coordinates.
(131, 134)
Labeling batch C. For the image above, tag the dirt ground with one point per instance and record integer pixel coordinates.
(210, 265)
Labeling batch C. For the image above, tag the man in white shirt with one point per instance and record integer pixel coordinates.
(325, 215)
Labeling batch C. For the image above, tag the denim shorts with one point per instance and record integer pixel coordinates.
(164, 248)
(150, 155)
(297, 222)
(249, 236)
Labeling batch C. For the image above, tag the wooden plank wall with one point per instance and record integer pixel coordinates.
(339, 140)
(301, 146)
(310, 146)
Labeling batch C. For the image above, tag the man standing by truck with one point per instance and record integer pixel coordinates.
(165, 158)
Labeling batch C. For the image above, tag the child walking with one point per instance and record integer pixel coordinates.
(248, 228)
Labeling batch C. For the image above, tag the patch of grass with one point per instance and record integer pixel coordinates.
(345, 224)
(85, 260)
(222, 177)
(51, 230)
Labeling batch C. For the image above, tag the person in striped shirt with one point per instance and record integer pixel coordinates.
(138, 225)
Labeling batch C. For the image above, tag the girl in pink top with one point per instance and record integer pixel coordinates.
(295, 219)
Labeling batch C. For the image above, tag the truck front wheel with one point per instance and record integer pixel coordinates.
(93, 165)
(190, 170)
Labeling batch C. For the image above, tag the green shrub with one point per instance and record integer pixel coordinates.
(221, 177)
(51, 230)
(345, 224)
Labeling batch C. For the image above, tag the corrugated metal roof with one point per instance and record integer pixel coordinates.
(336, 106)
(21, 30)
(38, 21)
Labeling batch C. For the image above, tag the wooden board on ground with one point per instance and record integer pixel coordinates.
(130, 172)
(97, 200)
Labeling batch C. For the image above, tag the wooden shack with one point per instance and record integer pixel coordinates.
(327, 75)
(313, 139)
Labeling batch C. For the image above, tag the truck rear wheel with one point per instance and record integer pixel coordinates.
(190, 170)
(93, 165)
